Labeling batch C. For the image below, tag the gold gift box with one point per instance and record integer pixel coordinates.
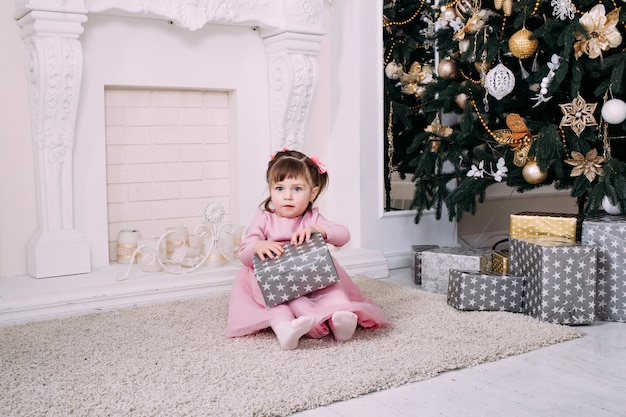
(500, 261)
(529, 224)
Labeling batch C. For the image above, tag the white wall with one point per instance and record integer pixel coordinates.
(357, 133)
(345, 129)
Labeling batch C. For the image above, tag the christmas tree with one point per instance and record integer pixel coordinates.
(523, 92)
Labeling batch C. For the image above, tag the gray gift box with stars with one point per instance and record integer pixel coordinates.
(437, 263)
(300, 270)
(608, 233)
(485, 291)
(560, 279)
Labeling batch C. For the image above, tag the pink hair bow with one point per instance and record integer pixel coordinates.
(320, 167)
(272, 156)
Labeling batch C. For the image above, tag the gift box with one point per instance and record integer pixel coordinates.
(485, 291)
(500, 261)
(416, 262)
(530, 224)
(300, 270)
(608, 234)
(437, 263)
(560, 278)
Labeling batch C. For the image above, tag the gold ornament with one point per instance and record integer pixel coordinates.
(436, 128)
(532, 173)
(463, 9)
(446, 69)
(521, 45)
(505, 5)
(517, 136)
(482, 66)
(460, 100)
(578, 115)
(590, 165)
(393, 70)
(413, 80)
(602, 32)
(472, 25)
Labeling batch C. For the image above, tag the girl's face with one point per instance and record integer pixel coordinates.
(291, 197)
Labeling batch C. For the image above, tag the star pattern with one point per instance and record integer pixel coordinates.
(578, 115)
(560, 280)
(300, 270)
(437, 263)
(416, 265)
(485, 291)
(608, 233)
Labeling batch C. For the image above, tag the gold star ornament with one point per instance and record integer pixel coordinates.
(578, 115)
(590, 165)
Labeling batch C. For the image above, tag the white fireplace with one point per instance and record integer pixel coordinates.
(261, 52)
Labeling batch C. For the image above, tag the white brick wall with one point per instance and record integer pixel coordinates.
(167, 158)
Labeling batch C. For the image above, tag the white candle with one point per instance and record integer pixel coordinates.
(126, 245)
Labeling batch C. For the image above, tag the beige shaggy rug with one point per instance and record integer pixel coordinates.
(173, 359)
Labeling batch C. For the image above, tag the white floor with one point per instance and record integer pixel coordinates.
(583, 377)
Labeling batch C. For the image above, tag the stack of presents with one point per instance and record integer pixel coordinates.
(559, 268)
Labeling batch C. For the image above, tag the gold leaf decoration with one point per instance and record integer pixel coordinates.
(517, 136)
(590, 165)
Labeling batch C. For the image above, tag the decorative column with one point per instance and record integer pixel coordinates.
(54, 68)
(293, 69)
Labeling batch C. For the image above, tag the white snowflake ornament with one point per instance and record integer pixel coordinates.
(500, 81)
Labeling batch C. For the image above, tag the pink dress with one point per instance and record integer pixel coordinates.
(247, 312)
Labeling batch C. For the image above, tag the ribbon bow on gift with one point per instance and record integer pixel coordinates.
(517, 136)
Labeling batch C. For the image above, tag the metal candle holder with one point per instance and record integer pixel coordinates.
(179, 263)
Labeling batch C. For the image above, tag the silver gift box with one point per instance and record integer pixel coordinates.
(416, 261)
(485, 291)
(437, 263)
(300, 270)
(560, 278)
(608, 234)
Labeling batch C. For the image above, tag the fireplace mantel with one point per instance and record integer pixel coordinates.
(291, 31)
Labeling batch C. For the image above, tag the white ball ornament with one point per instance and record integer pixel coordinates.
(609, 207)
(393, 70)
(614, 111)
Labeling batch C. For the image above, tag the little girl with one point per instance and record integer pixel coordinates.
(295, 181)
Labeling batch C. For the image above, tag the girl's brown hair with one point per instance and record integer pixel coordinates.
(293, 164)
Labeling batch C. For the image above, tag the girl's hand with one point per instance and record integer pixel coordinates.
(269, 249)
(303, 235)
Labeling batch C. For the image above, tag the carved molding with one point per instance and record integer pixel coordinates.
(54, 70)
(292, 32)
(293, 75)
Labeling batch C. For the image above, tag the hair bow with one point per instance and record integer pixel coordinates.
(320, 167)
(272, 156)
